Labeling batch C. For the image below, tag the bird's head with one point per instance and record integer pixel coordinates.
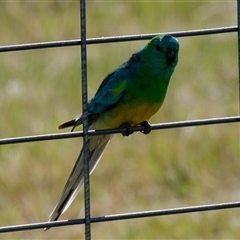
(163, 51)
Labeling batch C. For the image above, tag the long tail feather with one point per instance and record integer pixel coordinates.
(97, 144)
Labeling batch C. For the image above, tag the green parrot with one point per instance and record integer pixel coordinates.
(127, 97)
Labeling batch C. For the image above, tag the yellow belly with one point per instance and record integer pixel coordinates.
(133, 115)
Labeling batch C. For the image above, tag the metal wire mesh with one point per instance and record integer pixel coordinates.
(85, 133)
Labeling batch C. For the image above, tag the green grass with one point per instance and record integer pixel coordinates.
(169, 168)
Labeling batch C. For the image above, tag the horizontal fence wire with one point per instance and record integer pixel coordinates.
(122, 216)
(161, 126)
(116, 39)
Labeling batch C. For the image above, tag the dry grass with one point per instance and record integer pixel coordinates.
(169, 168)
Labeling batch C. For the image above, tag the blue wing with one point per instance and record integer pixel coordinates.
(110, 91)
(114, 85)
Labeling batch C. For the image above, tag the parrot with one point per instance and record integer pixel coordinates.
(127, 97)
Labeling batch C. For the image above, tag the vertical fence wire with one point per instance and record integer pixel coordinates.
(238, 34)
(85, 120)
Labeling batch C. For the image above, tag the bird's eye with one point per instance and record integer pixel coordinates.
(158, 48)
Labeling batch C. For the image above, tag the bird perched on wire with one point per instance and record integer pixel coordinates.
(127, 97)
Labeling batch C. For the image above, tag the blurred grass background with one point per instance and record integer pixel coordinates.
(170, 168)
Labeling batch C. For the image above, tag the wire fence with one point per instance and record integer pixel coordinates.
(83, 42)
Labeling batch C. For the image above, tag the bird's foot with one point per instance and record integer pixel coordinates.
(147, 127)
(128, 129)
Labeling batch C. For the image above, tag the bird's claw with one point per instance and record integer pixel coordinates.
(128, 129)
(147, 127)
